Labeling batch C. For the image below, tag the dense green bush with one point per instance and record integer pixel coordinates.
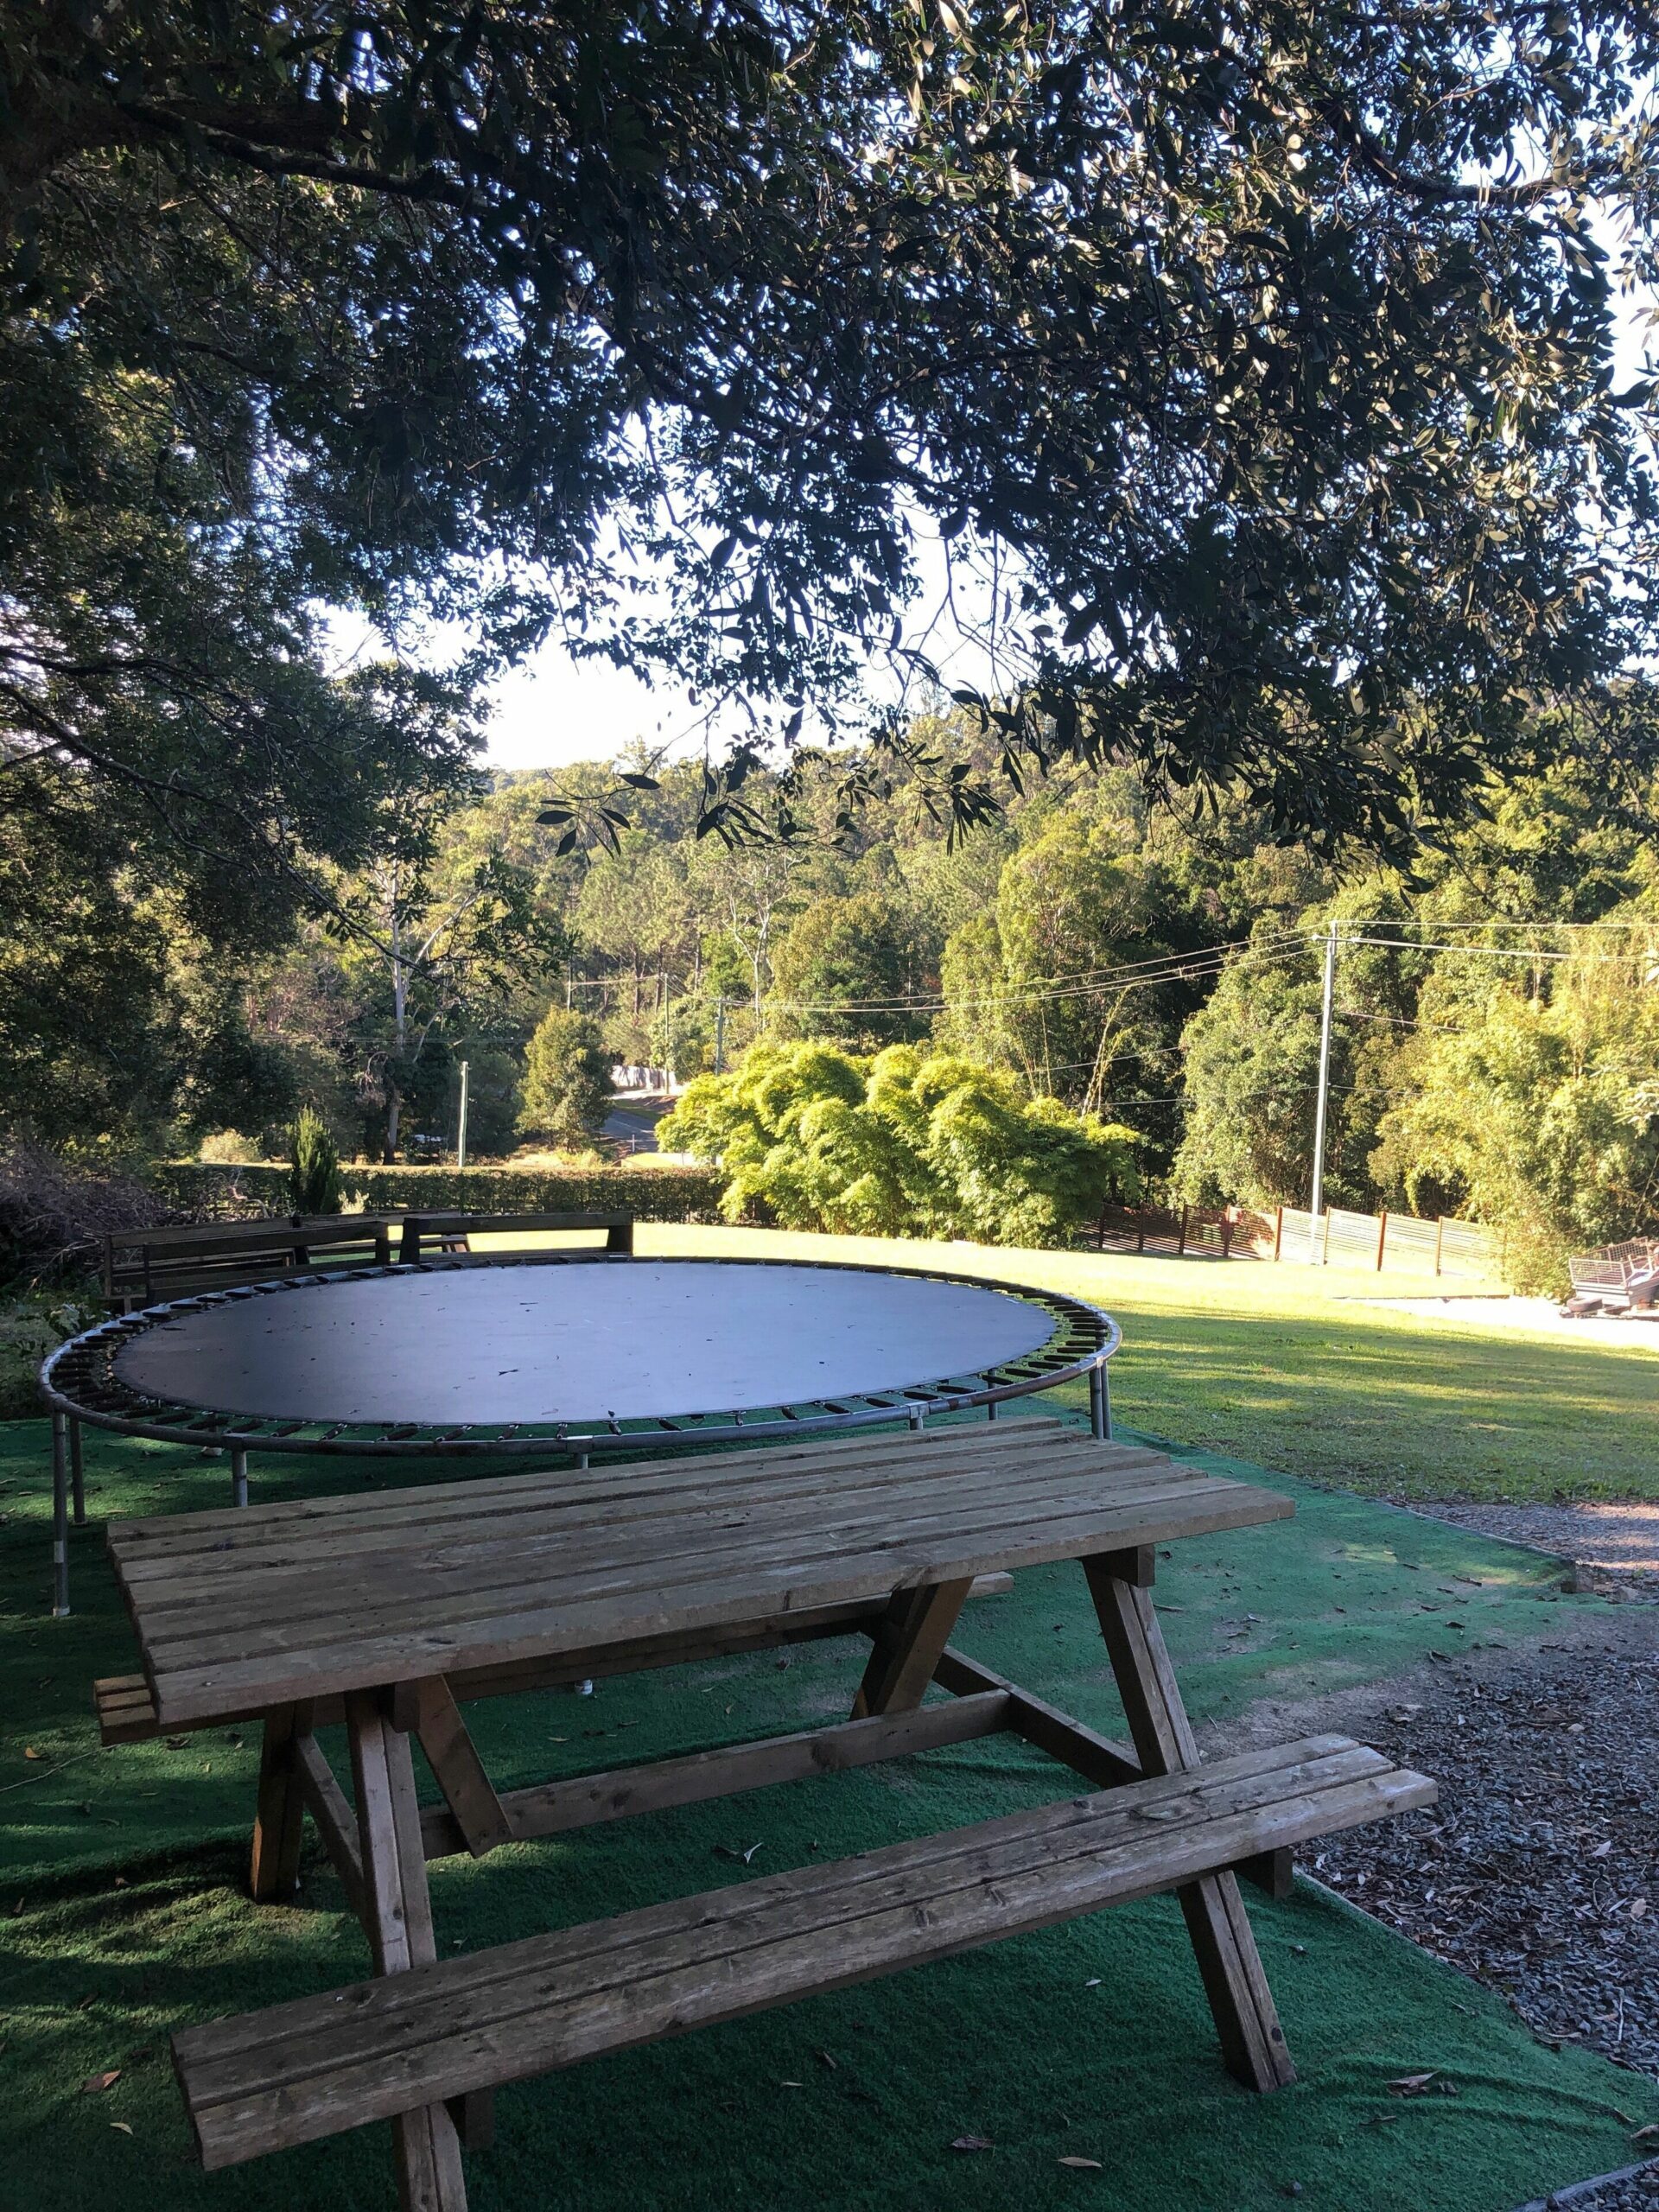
(32, 1323)
(654, 1194)
(900, 1145)
(567, 1089)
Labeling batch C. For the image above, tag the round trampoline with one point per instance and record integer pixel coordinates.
(578, 1351)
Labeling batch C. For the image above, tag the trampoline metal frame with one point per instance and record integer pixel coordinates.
(80, 1385)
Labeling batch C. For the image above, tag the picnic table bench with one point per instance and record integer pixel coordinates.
(391, 1611)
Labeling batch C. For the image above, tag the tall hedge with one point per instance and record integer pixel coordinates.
(665, 1194)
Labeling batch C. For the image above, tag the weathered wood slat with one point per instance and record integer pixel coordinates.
(174, 1546)
(1229, 1965)
(314, 2067)
(931, 1529)
(451, 1754)
(336, 1823)
(648, 1480)
(513, 1678)
(1096, 1758)
(558, 1808)
(589, 1563)
(570, 1544)
(1231, 1786)
(433, 1636)
(397, 1915)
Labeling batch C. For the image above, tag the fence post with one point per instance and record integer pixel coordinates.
(1180, 1249)
(1381, 1237)
(1324, 1249)
(1439, 1239)
(1278, 1230)
(1227, 1234)
(1140, 1230)
(1100, 1236)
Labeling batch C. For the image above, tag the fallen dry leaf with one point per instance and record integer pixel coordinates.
(1083, 2165)
(1411, 2084)
(1639, 1908)
(1602, 1849)
(1646, 2134)
(825, 2059)
(731, 1851)
(973, 2143)
(121, 2126)
(29, 1753)
(95, 2082)
(1095, 1984)
(176, 1743)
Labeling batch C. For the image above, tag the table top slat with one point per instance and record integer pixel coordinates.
(473, 1498)
(292, 1609)
(703, 1526)
(275, 1605)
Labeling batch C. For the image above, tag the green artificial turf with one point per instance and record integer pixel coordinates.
(123, 1917)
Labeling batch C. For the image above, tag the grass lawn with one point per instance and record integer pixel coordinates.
(1295, 1368)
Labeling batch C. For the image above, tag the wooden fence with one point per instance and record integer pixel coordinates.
(1378, 1241)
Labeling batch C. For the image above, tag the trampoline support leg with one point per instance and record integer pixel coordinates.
(990, 1410)
(60, 1517)
(1100, 1405)
(239, 1477)
(917, 1417)
(76, 1474)
(581, 1462)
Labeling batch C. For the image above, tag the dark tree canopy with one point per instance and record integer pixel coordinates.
(1259, 353)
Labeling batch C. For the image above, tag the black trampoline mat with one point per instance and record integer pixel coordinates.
(575, 1342)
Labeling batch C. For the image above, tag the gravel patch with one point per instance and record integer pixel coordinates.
(1538, 1871)
(1615, 1547)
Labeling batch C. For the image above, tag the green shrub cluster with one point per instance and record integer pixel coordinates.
(315, 1185)
(32, 1324)
(905, 1144)
(664, 1194)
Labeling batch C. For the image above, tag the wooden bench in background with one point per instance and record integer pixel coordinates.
(390, 1611)
(148, 1267)
(425, 1233)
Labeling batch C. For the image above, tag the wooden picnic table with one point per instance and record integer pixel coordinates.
(390, 1611)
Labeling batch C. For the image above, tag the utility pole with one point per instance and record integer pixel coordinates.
(460, 1135)
(720, 1034)
(1316, 1201)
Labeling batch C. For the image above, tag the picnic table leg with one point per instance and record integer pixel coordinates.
(907, 1647)
(279, 1812)
(398, 1913)
(1247, 2020)
(60, 1515)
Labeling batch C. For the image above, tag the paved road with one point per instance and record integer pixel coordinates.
(636, 1118)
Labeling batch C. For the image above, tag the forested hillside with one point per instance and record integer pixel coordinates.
(1496, 1046)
